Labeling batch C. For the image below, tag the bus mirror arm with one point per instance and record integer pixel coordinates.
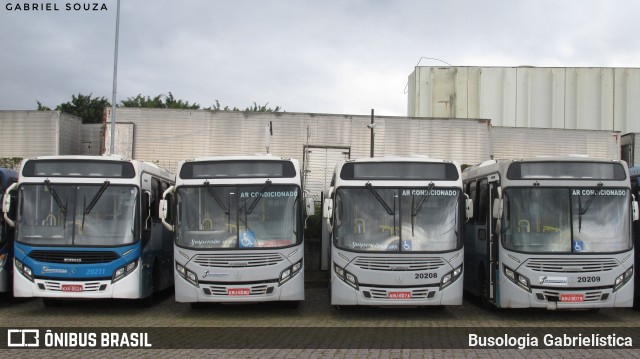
(6, 204)
(164, 209)
(634, 206)
(327, 213)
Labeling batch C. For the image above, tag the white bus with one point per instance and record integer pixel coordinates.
(88, 227)
(395, 232)
(550, 233)
(238, 224)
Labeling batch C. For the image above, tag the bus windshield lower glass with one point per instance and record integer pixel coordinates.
(238, 217)
(77, 215)
(397, 219)
(566, 220)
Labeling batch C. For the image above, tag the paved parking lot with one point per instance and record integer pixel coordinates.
(351, 332)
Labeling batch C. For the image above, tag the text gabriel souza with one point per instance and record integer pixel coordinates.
(48, 6)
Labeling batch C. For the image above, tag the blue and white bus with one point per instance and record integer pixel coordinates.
(88, 227)
(238, 225)
(551, 232)
(7, 178)
(395, 232)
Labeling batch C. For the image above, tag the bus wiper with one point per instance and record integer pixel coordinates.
(94, 201)
(255, 201)
(380, 199)
(422, 201)
(215, 197)
(417, 207)
(55, 196)
(583, 210)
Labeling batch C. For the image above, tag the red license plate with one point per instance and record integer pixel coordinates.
(238, 291)
(399, 295)
(572, 297)
(72, 287)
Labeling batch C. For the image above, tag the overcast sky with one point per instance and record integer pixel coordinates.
(322, 56)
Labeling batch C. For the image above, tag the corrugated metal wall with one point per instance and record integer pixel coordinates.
(571, 98)
(168, 136)
(511, 142)
(38, 133)
(91, 141)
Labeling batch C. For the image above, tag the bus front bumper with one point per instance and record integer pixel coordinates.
(559, 298)
(344, 294)
(127, 288)
(222, 292)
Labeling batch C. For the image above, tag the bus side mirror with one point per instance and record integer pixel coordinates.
(163, 209)
(636, 212)
(309, 206)
(6, 205)
(468, 208)
(327, 209)
(497, 208)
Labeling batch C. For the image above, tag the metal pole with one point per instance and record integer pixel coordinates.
(372, 126)
(115, 82)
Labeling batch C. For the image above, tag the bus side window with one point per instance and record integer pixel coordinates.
(155, 188)
(483, 201)
(472, 194)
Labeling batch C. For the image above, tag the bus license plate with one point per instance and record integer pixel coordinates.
(399, 295)
(572, 297)
(72, 287)
(238, 291)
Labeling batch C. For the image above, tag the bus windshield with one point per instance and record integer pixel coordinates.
(566, 220)
(77, 215)
(238, 217)
(397, 219)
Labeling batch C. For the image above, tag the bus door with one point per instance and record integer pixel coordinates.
(494, 238)
(487, 238)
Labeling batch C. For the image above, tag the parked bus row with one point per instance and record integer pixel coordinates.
(553, 233)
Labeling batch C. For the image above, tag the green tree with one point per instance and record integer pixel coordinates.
(89, 109)
(160, 101)
(42, 107)
(255, 108)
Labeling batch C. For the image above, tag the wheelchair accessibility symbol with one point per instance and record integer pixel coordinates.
(578, 246)
(406, 245)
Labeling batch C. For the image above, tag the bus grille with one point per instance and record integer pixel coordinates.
(418, 293)
(399, 264)
(74, 257)
(240, 260)
(571, 265)
(222, 290)
(554, 296)
(86, 287)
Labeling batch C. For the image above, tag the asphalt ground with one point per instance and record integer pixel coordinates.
(315, 329)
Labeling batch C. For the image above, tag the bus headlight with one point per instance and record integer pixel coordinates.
(622, 279)
(190, 276)
(24, 270)
(288, 273)
(346, 277)
(124, 271)
(515, 277)
(450, 277)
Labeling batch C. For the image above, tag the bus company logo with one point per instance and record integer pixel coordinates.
(72, 260)
(208, 274)
(23, 338)
(553, 281)
(46, 269)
